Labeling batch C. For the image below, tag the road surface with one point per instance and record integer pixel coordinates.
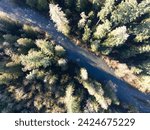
(95, 65)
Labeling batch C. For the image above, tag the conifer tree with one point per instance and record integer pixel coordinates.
(82, 22)
(102, 30)
(106, 10)
(145, 66)
(35, 71)
(59, 18)
(87, 33)
(142, 31)
(46, 47)
(129, 11)
(116, 37)
(97, 93)
(136, 50)
(34, 60)
(72, 102)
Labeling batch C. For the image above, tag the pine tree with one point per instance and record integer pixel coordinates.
(35, 74)
(129, 11)
(34, 60)
(135, 50)
(145, 66)
(6, 77)
(95, 46)
(82, 22)
(91, 106)
(84, 74)
(59, 51)
(102, 30)
(144, 7)
(116, 37)
(59, 18)
(142, 31)
(96, 92)
(87, 33)
(106, 10)
(30, 31)
(72, 102)
(25, 44)
(45, 46)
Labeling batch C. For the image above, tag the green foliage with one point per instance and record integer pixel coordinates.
(102, 30)
(142, 31)
(96, 91)
(46, 47)
(59, 51)
(83, 74)
(116, 37)
(82, 21)
(145, 66)
(87, 33)
(7, 25)
(5, 78)
(135, 50)
(144, 7)
(39, 78)
(92, 106)
(97, 3)
(72, 102)
(106, 10)
(59, 18)
(127, 11)
(30, 31)
(25, 44)
(36, 73)
(34, 60)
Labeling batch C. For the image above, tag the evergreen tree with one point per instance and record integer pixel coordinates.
(102, 30)
(34, 60)
(136, 50)
(58, 16)
(116, 37)
(72, 102)
(106, 10)
(87, 33)
(97, 93)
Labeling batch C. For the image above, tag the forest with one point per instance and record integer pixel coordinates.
(37, 76)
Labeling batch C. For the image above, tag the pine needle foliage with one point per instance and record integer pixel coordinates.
(59, 18)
